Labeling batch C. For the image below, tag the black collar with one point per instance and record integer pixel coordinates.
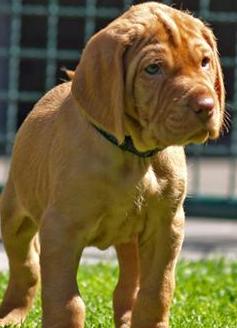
(127, 145)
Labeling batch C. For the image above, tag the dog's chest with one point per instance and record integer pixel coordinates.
(122, 210)
(119, 220)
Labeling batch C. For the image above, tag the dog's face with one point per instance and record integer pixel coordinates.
(153, 74)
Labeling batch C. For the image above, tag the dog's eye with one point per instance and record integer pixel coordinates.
(205, 62)
(152, 69)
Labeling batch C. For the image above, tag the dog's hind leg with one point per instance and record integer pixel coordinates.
(128, 284)
(20, 241)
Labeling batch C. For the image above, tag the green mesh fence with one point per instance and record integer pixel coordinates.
(38, 37)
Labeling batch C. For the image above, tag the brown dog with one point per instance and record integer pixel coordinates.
(100, 162)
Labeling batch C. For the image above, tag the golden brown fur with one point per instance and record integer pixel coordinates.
(75, 188)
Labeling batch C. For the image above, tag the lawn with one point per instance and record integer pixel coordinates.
(205, 297)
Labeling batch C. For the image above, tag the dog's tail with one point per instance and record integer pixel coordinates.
(69, 73)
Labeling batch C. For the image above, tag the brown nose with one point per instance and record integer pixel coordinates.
(203, 107)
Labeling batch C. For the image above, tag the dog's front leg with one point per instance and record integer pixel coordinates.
(128, 284)
(60, 254)
(158, 255)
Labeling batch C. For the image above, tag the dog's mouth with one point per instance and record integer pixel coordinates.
(192, 131)
(199, 137)
(209, 131)
(212, 127)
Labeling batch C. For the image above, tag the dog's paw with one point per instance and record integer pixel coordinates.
(14, 318)
(9, 323)
(162, 325)
(124, 325)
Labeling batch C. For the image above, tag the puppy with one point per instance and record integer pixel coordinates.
(99, 161)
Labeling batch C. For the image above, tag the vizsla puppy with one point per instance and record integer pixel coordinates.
(100, 161)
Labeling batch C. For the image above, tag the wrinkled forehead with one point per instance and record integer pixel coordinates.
(154, 29)
(178, 28)
(183, 34)
(165, 24)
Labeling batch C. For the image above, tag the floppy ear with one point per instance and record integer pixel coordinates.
(219, 83)
(98, 84)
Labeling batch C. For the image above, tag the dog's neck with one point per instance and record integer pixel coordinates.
(127, 145)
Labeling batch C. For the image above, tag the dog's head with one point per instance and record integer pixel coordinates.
(153, 74)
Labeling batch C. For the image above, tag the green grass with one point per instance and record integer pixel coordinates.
(205, 297)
